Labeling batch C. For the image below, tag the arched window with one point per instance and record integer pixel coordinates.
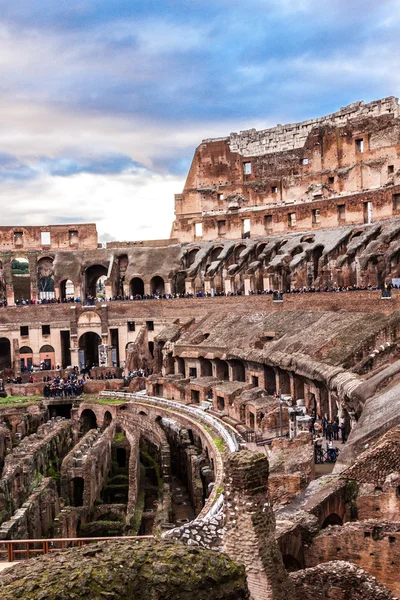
(157, 286)
(137, 286)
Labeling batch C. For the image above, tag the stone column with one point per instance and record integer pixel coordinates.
(247, 284)
(228, 285)
(250, 526)
(267, 283)
(167, 287)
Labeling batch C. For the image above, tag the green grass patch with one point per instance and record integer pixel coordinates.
(20, 400)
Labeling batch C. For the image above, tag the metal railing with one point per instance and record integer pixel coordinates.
(16, 550)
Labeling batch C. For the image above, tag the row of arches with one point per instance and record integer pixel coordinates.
(93, 284)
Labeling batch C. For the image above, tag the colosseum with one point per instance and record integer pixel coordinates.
(217, 412)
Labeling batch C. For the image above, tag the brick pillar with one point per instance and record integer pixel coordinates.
(250, 526)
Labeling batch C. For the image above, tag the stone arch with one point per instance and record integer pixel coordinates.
(45, 277)
(107, 419)
(89, 349)
(21, 279)
(47, 356)
(238, 250)
(88, 420)
(291, 563)
(215, 253)
(221, 369)
(136, 286)
(191, 256)
(332, 519)
(67, 290)
(123, 263)
(95, 276)
(157, 285)
(316, 256)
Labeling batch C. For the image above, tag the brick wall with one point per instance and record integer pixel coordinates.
(375, 547)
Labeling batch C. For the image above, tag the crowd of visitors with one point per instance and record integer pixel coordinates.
(70, 386)
(136, 373)
(91, 301)
(330, 431)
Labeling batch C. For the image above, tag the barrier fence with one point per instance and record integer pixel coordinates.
(16, 550)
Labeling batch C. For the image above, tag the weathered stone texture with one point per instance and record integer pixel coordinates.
(125, 571)
(338, 580)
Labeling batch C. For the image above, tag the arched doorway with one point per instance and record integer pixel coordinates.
(45, 275)
(291, 563)
(47, 356)
(107, 419)
(95, 277)
(21, 279)
(137, 287)
(157, 286)
(26, 358)
(5, 354)
(88, 421)
(67, 292)
(332, 519)
(89, 350)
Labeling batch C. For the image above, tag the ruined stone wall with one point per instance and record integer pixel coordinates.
(66, 237)
(34, 519)
(338, 580)
(373, 546)
(255, 174)
(30, 461)
(250, 526)
(90, 460)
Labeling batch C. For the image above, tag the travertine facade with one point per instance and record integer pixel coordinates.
(316, 174)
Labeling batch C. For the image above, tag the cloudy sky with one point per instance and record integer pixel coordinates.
(103, 101)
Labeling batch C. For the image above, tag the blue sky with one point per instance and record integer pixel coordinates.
(103, 102)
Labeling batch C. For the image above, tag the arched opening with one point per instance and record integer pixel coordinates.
(89, 350)
(95, 277)
(291, 563)
(67, 291)
(45, 274)
(238, 370)
(21, 280)
(215, 253)
(78, 485)
(178, 283)
(157, 286)
(123, 262)
(191, 257)
(47, 357)
(260, 249)
(137, 287)
(107, 419)
(26, 358)
(88, 421)
(332, 519)
(221, 369)
(237, 252)
(205, 367)
(317, 253)
(5, 354)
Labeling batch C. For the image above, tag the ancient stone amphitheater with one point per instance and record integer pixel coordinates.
(166, 405)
